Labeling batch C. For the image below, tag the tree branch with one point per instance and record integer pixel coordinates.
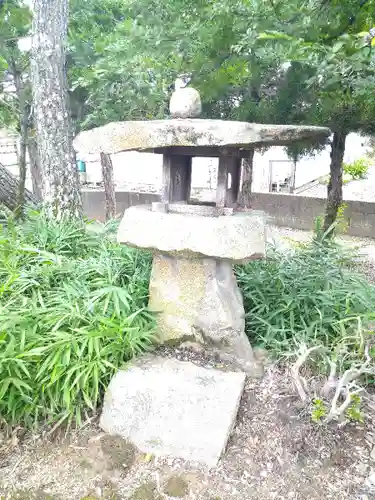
(299, 381)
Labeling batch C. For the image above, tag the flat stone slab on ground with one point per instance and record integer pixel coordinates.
(173, 408)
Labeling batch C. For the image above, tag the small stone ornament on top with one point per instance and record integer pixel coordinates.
(185, 101)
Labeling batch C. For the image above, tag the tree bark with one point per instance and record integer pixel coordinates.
(61, 187)
(334, 189)
(109, 186)
(22, 128)
(35, 169)
(9, 189)
(22, 170)
(292, 181)
(244, 198)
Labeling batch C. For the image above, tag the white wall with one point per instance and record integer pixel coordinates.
(308, 168)
(145, 169)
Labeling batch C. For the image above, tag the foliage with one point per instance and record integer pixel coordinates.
(342, 223)
(117, 70)
(318, 411)
(15, 22)
(251, 60)
(354, 412)
(311, 295)
(334, 58)
(357, 169)
(73, 309)
(332, 52)
(125, 63)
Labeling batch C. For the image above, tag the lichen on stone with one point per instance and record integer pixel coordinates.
(120, 453)
(147, 491)
(26, 495)
(176, 487)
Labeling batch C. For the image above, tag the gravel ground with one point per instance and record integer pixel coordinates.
(364, 247)
(275, 452)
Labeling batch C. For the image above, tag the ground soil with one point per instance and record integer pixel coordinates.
(275, 452)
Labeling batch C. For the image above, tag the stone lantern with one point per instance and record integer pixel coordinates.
(193, 288)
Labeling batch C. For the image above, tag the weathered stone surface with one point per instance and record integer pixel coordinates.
(173, 408)
(119, 453)
(203, 210)
(147, 135)
(199, 301)
(176, 487)
(147, 491)
(239, 237)
(185, 103)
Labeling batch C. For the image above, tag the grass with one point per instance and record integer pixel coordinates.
(73, 309)
(310, 294)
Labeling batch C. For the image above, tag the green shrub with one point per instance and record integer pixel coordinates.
(309, 294)
(73, 309)
(357, 170)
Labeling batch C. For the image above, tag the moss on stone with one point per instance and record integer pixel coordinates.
(176, 342)
(85, 463)
(147, 491)
(120, 453)
(26, 495)
(176, 487)
(109, 493)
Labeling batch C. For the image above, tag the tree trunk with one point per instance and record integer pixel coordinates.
(109, 186)
(292, 181)
(334, 189)
(22, 172)
(22, 126)
(35, 169)
(61, 187)
(9, 189)
(244, 198)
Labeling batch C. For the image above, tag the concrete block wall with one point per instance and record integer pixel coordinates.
(296, 212)
(300, 212)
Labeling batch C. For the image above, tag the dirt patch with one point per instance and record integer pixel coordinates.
(275, 452)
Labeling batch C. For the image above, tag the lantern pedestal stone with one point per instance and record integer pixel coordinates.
(198, 300)
(193, 289)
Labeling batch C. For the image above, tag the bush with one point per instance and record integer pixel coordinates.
(357, 170)
(73, 309)
(308, 295)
